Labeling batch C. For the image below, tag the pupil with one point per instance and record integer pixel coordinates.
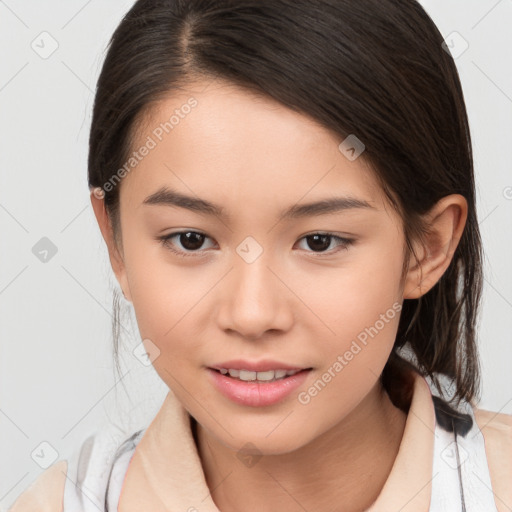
(191, 240)
(323, 239)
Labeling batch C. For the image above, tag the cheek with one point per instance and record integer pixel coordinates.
(164, 296)
(363, 318)
(353, 296)
(359, 305)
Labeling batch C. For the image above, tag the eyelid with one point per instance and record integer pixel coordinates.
(165, 241)
(345, 242)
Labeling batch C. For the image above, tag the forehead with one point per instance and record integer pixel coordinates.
(217, 140)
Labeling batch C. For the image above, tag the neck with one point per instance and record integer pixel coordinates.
(348, 465)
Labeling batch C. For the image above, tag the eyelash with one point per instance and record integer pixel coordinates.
(344, 243)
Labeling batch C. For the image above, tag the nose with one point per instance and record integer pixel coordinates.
(255, 300)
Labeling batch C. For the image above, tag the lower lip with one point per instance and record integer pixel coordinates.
(257, 394)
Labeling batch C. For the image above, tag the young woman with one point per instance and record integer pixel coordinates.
(286, 192)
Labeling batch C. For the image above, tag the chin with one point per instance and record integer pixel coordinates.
(263, 440)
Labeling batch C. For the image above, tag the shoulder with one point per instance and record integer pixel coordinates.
(46, 493)
(88, 466)
(497, 431)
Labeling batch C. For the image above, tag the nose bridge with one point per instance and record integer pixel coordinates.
(254, 300)
(252, 280)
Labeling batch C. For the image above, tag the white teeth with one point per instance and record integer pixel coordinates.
(247, 375)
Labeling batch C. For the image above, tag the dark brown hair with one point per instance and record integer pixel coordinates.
(374, 68)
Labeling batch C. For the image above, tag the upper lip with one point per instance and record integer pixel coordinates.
(256, 366)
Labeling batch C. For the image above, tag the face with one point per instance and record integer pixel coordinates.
(317, 288)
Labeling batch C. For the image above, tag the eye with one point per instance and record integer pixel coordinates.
(321, 241)
(190, 242)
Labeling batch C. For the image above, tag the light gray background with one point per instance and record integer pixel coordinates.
(56, 367)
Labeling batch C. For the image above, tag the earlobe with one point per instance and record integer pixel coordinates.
(115, 256)
(446, 221)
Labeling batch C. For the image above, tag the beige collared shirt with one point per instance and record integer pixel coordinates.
(435, 470)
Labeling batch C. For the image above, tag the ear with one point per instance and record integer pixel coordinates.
(446, 219)
(115, 253)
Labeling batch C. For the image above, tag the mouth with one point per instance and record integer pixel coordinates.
(260, 377)
(257, 389)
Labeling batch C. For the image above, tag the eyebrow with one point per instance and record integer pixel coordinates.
(168, 197)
